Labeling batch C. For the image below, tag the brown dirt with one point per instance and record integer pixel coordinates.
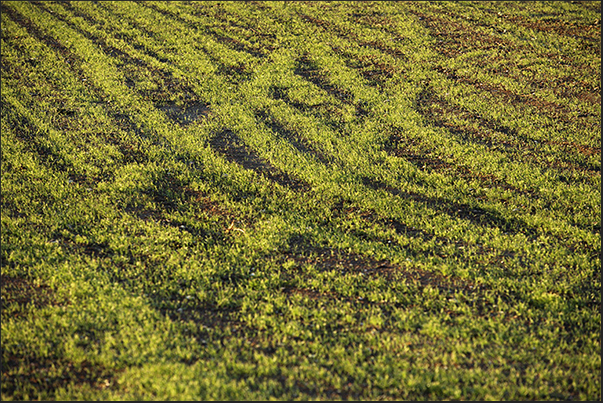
(22, 292)
(48, 374)
(303, 252)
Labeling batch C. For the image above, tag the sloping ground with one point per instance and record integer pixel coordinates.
(301, 200)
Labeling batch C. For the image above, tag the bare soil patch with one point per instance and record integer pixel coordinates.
(22, 292)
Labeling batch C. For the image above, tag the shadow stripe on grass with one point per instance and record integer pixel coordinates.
(229, 42)
(484, 256)
(25, 375)
(184, 113)
(303, 252)
(18, 291)
(441, 113)
(475, 214)
(44, 376)
(228, 144)
(299, 142)
(308, 70)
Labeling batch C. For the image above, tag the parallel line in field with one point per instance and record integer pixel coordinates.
(347, 34)
(223, 70)
(456, 37)
(234, 149)
(311, 73)
(561, 28)
(378, 69)
(400, 147)
(224, 39)
(516, 20)
(72, 60)
(28, 25)
(170, 83)
(68, 117)
(199, 11)
(484, 256)
(473, 213)
(317, 80)
(297, 145)
(355, 40)
(414, 150)
(490, 179)
(162, 58)
(437, 27)
(366, 17)
(298, 141)
(552, 110)
(126, 148)
(192, 110)
(320, 79)
(352, 36)
(134, 41)
(504, 143)
(26, 127)
(513, 141)
(567, 30)
(182, 115)
(192, 104)
(32, 138)
(564, 88)
(479, 216)
(586, 149)
(382, 72)
(250, 160)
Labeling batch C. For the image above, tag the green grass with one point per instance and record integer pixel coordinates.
(301, 200)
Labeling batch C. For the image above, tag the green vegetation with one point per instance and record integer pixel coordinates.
(301, 200)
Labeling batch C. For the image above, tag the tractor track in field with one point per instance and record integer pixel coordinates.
(300, 200)
(474, 213)
(227, 41)
(299, 142)
(185, 112)
(442, 114)
(308, 72)
(231, 146)
(192, 110)
(24, 294)
(453, 39)
(439, 246)
(122, 120)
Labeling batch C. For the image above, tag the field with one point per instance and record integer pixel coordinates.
(301, 200)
